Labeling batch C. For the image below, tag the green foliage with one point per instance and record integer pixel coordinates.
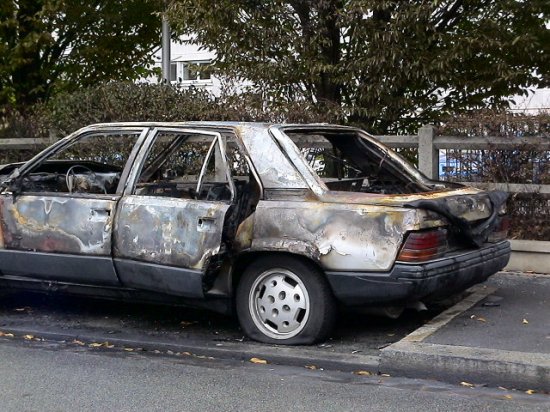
(390, 65)
(131, 102)
(53, 45)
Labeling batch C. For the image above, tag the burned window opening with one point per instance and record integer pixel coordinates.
(92, 164)
(185, 166)
(346, 162)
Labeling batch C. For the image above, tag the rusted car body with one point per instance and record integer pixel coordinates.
(283, 222)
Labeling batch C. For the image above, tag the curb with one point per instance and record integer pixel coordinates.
(289, 356)
(411, 357)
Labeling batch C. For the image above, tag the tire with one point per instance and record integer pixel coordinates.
(285, 300)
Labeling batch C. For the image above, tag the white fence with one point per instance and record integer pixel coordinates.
(429, 144)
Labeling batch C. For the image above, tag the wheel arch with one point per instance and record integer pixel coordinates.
(227, 281)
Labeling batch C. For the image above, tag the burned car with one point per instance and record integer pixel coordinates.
(281, 224)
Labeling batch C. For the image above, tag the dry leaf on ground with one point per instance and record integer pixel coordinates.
(259, 361)
(363, 373)
(467, 384)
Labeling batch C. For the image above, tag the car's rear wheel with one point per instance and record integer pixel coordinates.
(281, 299)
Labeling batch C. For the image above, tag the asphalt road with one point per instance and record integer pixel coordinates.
(355, 333)
(42, 376)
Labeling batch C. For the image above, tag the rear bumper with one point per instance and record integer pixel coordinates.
(412, 282)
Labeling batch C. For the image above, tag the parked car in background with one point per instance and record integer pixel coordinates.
(279, 223)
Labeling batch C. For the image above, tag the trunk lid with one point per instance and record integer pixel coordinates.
(471, 212)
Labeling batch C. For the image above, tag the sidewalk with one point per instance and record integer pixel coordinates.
(499, 336)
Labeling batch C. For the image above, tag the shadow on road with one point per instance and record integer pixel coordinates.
(355, 332)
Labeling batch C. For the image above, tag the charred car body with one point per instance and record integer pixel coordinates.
(282, 223)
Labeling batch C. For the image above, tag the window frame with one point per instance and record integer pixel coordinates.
(72, 139)
(218, 140)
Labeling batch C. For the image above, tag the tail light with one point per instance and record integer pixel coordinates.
(501, 230)
(424, 245)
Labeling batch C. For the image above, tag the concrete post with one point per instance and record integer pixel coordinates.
(428, 155)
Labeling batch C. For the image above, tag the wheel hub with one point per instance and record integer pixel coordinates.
(279, 303)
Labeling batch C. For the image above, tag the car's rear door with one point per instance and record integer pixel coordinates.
(170, 221)
(57, 219)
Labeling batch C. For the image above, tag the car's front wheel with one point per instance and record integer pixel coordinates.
(281, 299)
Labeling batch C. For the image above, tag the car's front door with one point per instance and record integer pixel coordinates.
(170, 221)
(56, 218)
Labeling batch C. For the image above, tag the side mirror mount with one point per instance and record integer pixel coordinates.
(12, 185)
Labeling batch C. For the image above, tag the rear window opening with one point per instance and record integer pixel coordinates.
(346, 161)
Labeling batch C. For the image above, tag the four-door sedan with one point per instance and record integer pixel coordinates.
(281, 223)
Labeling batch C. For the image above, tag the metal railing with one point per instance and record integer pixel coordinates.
(429, 145)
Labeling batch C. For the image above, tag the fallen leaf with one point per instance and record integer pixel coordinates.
(186, 353)
(508, 397)
(28, 337)
(363, 373)
(385, 375)
(525, 321)
(6, 335)
(129, 349)
(530, 391)
(312, 367)
(467, 384)
(78, 342)
(258, 360)
(481, 319)
(101, 345)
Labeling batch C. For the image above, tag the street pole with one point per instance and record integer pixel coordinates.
(165, 49)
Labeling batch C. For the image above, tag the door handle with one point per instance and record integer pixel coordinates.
(206, 223)
(102, 211)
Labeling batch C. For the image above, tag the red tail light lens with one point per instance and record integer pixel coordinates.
(424, 245)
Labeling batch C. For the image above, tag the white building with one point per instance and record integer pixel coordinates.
(185, 60)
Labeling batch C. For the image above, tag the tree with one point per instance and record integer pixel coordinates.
(50, 45)
(391, 65)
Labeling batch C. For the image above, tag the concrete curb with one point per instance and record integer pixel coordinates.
(411, 357)
(529, 255)
(278, 355)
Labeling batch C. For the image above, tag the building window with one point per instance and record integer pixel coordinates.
(173, 72)
(196, 71)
